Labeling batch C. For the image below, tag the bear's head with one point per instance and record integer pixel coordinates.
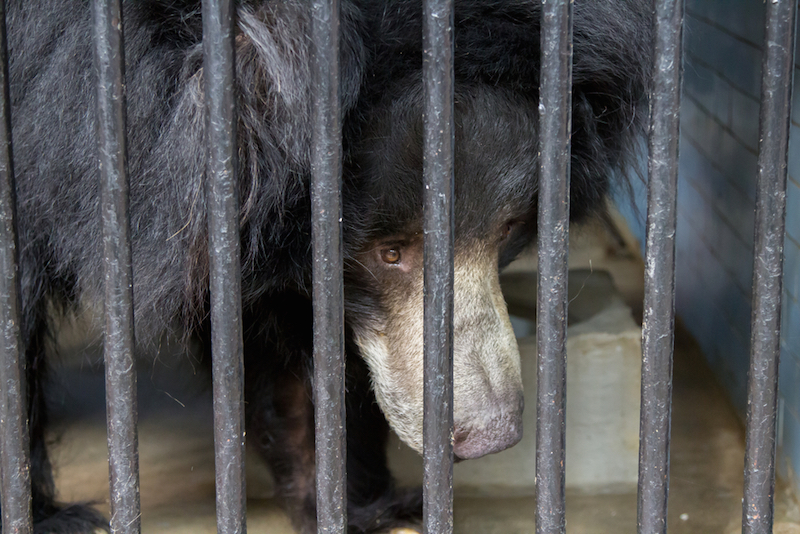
(495, 212)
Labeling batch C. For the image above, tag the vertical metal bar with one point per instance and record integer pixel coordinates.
(328, 290)
(225, 271)
(555, 117)
(659, 301)
(15, 477)
(123, 454)
(439, 232)
(776, 98)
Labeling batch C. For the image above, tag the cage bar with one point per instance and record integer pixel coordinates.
(555, 116)
(659, 285)
(770, 222)
(328, 282)
(118, 341)
(224, 259)
(15, 476)
(438, 76)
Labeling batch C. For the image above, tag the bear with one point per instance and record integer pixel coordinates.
(497, 47)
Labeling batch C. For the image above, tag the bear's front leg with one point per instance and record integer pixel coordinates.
(279, 410)
(280, 423)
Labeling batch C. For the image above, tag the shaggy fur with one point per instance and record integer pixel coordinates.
(497, 73)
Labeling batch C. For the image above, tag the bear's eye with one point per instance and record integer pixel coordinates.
(507, 229)
(390, 255)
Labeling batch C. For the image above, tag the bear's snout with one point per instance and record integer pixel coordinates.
(492, 430)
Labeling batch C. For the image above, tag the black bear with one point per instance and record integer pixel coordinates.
(497, 73)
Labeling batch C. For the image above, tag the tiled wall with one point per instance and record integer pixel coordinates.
(716, 195)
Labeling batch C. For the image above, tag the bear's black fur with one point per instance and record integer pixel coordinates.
(497, 73)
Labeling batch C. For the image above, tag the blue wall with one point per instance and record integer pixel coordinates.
(716, 196)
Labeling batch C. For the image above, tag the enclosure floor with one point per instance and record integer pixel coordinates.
(177, 456)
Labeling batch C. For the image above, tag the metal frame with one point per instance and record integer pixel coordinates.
(225, 274)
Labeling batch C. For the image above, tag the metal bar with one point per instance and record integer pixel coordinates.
(328, 284)
(555, 117)
(15, 477)
(438, 75)
(776, 97)
(659, 300)
(225, 272)
(121, 409)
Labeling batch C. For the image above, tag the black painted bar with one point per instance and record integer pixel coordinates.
(15, 477)
(659, 301)
(438, 262)
(555, 116)
(118, 341)
(225, 272)
(762, 389)
(328, 290)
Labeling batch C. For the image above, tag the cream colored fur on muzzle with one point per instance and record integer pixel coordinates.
(487, 385)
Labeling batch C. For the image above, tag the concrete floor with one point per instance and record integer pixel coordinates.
(176, 447)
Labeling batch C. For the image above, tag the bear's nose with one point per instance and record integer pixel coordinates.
(491, 432)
